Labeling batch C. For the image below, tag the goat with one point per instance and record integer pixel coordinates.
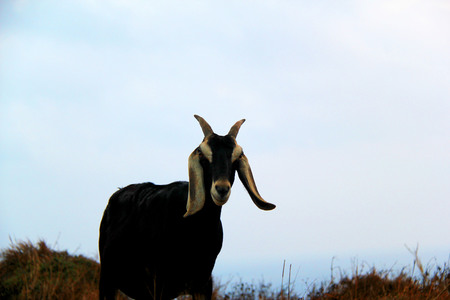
(162, 241)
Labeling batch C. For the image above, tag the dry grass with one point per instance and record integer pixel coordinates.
(382, 285)
(30, 271)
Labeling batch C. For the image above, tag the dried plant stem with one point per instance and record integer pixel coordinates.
(282, 279)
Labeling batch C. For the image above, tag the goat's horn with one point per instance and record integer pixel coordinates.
(207, 130)
(235, 128)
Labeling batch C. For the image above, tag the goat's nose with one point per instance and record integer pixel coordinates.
(222, 190)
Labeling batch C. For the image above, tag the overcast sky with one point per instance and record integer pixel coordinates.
(347, 106)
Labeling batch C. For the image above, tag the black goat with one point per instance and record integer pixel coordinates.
(161, 241)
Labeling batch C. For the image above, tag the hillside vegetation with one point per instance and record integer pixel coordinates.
(29, 271)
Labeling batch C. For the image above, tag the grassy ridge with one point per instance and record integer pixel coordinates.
(381, 285)
(30, 271)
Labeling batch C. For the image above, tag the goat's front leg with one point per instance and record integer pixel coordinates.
(206, 293)
(201, 296)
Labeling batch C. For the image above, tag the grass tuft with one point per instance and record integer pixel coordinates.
(377, 284)
(30, 271)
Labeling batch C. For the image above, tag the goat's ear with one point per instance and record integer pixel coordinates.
(196, 194)
(246, 176)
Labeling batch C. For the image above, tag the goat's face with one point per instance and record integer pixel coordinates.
(217, 157)
(214, 164)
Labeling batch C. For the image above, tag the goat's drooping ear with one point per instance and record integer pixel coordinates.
(196, 194)
(246, 176)
(207, 130)
(235, 128)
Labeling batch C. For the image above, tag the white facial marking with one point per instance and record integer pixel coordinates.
(206, 150)
(237, 151)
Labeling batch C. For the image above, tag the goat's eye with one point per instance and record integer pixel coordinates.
(199, 152)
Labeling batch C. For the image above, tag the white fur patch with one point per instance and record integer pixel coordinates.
(237, 151)
(206, 150)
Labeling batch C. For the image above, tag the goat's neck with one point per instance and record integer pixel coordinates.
(211, 208)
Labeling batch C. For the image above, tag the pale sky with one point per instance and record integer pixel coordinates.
(347, 132)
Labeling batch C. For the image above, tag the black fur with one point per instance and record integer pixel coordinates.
(148, 249)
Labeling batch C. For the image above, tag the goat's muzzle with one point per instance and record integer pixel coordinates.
(220, 191)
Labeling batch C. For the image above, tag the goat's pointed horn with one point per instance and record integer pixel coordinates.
(207, 130)
(235, 128)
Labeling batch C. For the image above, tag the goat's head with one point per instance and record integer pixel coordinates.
(213, 164)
